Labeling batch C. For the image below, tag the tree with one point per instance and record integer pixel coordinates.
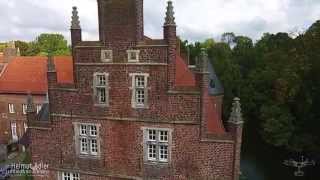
(52, 43)
(23, 47)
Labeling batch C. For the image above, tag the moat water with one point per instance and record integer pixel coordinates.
(263, 162)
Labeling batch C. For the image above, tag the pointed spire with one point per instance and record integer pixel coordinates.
(75, 22)
(18, 52)
(30, 105)
(51, 66)
(202, 61)
(170, 19)
(236, 115)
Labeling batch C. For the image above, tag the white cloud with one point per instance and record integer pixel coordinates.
(196, 19)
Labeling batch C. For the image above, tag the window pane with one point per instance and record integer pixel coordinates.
(83, 129)
(152, 152)
(140, 81)
(140, 96)
(152, 135)
(93, 131)
(94, 147)
(163, 153)
(101, 80)
(163, 136)
(84, 145)
(66, 176)
(76, 176)
(101, 95)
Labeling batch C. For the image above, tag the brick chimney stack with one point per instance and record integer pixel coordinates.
(170, 36)
(9, 52)
(202, 81)
(76, 34)
(51, 73)
(235, 124)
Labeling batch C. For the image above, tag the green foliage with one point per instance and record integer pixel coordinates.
(52, 43)
(23, 47)
(278, 81)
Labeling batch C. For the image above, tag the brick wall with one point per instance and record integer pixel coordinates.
(18, 117)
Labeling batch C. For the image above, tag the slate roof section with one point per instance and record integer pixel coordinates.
(44, 113)
(215, 85)
(25, 75)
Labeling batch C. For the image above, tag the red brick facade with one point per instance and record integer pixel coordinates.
(199, 145)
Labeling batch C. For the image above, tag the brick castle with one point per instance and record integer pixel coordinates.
(134, 110)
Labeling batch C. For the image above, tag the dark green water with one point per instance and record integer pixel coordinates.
(263, 162)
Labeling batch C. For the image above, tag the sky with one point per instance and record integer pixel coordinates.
(196, 19)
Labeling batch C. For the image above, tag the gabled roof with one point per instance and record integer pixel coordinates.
(184, 76)
(29, 74)
(215, 86)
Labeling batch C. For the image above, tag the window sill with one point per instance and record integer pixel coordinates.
(88, 156)
(101, 105)
(140, 107)
(156, 163)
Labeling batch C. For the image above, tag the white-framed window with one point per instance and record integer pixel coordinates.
(70, 176)
(140, 89)
(88, 139)
(11, 108)
(106, 55)
(101, 88)
(38, 106)
(25, 127)
(24, 108)
(133, 55)
(157, 144)
(14, 131)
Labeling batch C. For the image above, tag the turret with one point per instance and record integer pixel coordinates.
(235, 124)
(76, 35)
(170, 36)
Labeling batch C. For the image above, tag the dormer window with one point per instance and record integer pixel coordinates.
(106, 55)
(133, 55)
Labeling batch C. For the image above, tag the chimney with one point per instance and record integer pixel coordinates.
(76, 34)
(202, 80)
(170, 36)
(10, 52)
(51, 73)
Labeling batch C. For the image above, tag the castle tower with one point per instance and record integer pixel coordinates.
(120, 21)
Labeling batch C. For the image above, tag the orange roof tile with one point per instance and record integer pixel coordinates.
(29, 74)
(184, 76)
(1, 58)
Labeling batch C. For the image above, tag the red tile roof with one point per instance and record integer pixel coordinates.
(1, 58)
(215, 124)
(29, 74)
(184, 76)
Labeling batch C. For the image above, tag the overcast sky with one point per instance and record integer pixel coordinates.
(196, 19)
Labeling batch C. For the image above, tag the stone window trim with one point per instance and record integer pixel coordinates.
(133, 55)
(157, 142)
(38, 107)
(68, 175)
(78, 138)
(106, 55)
(11, 109)
(133, 90)
(24, 109)
(96, 86)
